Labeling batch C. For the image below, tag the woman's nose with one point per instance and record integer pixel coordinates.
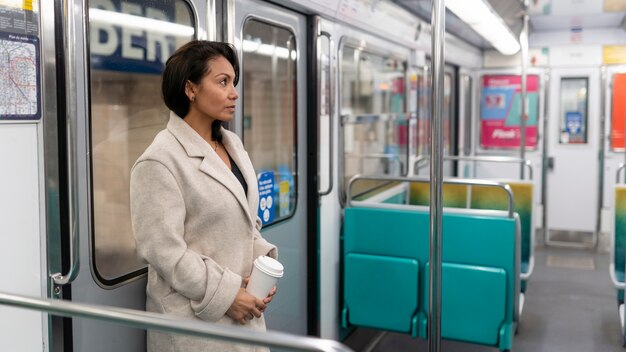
(233, 94)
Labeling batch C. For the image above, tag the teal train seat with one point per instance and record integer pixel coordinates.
(618, 263)
(481, 197)
(386, 263)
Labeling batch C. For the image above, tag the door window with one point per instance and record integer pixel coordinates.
(424, 115)
(573, 111)
(129, 44)
(269, 115)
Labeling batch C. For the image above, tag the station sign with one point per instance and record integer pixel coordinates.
(134, 36)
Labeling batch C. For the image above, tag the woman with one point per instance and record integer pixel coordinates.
(194, 200)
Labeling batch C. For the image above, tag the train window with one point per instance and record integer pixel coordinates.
(269, 113)
(618, 111)
(573, 111)
(375, 124)
(424, 116)
(129, 43)
(500, 111)
(423, 112)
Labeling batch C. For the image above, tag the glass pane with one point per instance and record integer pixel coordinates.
(373, 108)
(424, 98)
(468, 87)
(423, 113)
(573, 111)
(618, 111)
(126, 112)
(269, 115)
(448, 114)
(500, 111)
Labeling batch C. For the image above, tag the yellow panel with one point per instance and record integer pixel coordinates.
(614, 5)
(614, 54)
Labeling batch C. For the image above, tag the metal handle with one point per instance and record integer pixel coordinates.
(619, 170)
(421, 179)
(69, 40)
(331, 105)
(618, 285)
(493, 159)
(148, 320)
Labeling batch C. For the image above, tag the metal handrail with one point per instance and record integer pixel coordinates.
(621, 167)
(69, 44)
(147, 320)
(390, 157)
(455, 181)
(492, 159)
(331, 103)
(618, 285)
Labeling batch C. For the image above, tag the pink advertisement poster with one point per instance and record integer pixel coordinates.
(500, 110)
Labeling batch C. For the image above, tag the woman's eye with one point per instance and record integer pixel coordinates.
(223, 82)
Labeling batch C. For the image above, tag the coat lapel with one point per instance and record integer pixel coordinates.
(241, 158)
(211, 164)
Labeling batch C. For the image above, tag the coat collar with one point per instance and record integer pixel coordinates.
(212, 165)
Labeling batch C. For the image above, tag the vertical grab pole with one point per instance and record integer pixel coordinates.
(436, 176)
(523, 39)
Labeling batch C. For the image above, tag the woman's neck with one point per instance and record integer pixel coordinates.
(201, 124)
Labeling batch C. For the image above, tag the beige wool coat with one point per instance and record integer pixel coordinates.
(197, 230)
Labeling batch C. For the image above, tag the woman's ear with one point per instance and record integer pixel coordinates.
(190, 91)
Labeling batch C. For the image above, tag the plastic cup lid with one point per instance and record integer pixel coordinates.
(269, 265)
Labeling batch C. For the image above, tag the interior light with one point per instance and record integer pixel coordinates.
(256, 47)
(484, 20)
(137, 22)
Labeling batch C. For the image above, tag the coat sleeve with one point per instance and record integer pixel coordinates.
(261, 246)
(158, 217)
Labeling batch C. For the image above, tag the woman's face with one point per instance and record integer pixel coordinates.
(215, 95)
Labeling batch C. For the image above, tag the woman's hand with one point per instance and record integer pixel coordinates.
(245, 307)
(270, 295)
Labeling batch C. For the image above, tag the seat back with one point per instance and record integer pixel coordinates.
(619, 236)
(386, 255)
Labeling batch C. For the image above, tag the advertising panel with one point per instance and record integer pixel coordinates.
(500, 111)
(618, 111)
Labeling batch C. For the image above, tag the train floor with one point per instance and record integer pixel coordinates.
(570, 306)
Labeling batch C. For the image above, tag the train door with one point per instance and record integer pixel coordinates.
(573, 147)
(114, 110)
(272, 49)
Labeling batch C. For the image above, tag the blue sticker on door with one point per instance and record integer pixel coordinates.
(266, 200)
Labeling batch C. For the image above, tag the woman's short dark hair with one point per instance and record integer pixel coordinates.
(191, 63)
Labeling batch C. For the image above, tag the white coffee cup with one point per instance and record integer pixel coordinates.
(265, 273)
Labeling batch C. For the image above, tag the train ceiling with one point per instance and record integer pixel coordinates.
(545, 15)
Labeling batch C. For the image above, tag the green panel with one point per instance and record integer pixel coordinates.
(495, 198)
(454, 196)
(471, 315)
(620, 231)
(381, 292)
